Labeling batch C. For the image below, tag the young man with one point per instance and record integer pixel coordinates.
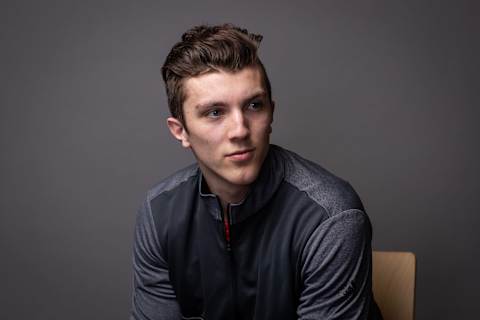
(251, 231)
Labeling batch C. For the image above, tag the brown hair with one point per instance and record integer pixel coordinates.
(208, 48)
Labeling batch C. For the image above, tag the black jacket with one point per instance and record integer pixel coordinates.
(298, 246)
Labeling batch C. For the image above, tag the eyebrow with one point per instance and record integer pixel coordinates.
(204, 105)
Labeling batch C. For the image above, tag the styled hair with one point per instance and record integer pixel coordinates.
(205, 49)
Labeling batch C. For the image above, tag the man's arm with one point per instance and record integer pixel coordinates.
(153, 297)
(336, 269)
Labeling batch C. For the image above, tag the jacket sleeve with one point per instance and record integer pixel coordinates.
(336, 269)
(153, 297)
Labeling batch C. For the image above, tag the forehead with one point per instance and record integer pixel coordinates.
(223, 85)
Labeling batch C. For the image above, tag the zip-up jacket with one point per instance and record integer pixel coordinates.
(297, 247)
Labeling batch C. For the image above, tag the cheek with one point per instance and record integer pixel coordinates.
(263, 127)
(207, 139)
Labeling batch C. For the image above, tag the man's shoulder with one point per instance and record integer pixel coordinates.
(173, 181)
(323, 187)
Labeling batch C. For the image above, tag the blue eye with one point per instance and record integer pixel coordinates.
(215, 113)
(255, 105)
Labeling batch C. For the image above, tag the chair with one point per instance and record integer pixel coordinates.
(393, 280)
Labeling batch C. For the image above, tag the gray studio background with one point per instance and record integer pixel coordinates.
(384, 94)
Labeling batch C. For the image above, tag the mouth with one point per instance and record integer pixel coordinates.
(241, 155)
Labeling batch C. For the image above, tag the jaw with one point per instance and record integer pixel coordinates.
(232, 181)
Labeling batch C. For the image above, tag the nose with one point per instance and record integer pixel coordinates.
(239, 127)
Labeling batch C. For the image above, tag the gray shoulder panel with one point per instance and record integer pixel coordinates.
(173, 181)
(326, 189)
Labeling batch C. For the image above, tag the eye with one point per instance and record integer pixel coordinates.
(214, 113)
(255, 105)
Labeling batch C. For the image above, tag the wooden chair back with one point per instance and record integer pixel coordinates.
(393, 280)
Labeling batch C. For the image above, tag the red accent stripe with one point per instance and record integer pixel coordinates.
(227, 229)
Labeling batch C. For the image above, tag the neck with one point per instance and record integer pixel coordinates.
(227, 193)
(228, 197)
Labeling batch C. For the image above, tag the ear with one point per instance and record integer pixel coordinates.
(178, 131)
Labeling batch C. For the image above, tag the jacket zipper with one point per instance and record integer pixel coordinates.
(228, 239)
(226, 228)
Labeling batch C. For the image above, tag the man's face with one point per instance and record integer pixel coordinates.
(228, 120)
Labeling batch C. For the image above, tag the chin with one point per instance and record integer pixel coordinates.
(245, 178)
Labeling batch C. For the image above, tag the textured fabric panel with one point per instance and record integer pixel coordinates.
(336, 269)
(173, 181)
(326, 189)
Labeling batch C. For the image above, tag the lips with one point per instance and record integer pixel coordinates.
(241, 155)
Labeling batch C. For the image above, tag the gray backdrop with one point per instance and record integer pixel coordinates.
(388, 91)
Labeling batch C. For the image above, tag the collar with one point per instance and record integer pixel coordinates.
(261, 191)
